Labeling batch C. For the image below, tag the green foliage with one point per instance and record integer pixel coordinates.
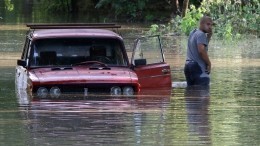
(149, 17)
(173, 27)
(57, 6)
(154, 29)
(178, 24)
(191, 19)
(9, 5)
(227, 34)
(232, 18)
(130, 8)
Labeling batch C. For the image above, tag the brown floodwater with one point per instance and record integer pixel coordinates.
(225, 114)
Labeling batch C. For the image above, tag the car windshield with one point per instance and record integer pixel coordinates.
(70, 51)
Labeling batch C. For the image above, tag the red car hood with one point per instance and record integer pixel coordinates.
(78, 75)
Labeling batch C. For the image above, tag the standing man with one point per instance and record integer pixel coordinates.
(198, 66)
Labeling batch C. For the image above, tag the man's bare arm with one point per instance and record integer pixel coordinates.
(204, 55)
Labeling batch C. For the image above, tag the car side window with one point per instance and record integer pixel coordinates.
(149, 48)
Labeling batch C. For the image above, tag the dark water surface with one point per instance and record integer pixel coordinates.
(225, 114)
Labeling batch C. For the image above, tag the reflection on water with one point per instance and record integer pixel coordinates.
(197, 104)
(109, 122)
(229, 116)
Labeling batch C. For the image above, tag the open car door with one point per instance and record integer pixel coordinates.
(149, 64)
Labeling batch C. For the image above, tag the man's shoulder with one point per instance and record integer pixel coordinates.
(199, 33)
(201, 36)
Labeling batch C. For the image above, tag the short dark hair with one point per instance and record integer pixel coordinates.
(204, 18)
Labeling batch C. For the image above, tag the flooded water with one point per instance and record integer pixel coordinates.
(225, 114)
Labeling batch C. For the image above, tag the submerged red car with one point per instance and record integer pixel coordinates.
(87, 59)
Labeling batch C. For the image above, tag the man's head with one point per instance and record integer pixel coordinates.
(206, 24)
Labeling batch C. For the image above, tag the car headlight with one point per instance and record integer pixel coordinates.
(128, 90)
(55, 92)
(116, 90)
(42, 92)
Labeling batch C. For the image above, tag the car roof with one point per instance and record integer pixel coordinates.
(73, 33)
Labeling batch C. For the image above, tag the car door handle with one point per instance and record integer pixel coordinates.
(165, 71)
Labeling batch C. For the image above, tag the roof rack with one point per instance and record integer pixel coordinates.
(71, 25)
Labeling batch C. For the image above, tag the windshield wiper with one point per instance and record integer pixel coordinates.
(61, 68)
(100, 68)
(92, 63)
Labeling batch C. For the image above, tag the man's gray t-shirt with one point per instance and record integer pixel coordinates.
(197, 37)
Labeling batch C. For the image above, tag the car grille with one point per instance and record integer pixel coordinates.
(81, 89)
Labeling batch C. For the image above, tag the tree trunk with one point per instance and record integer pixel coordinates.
(2, 11)
(27, 10)
(185, 7)
(175, 7)
(74, 6)
(74, 10)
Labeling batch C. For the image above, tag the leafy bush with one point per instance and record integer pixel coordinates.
(129, 8)
(9, 5)
(232, 18)
(191, 19)
(59, 6)
(171, 28)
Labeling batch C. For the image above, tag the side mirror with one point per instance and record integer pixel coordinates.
(139, 62)
(21, 62)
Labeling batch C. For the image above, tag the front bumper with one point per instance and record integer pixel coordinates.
(71, 90)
